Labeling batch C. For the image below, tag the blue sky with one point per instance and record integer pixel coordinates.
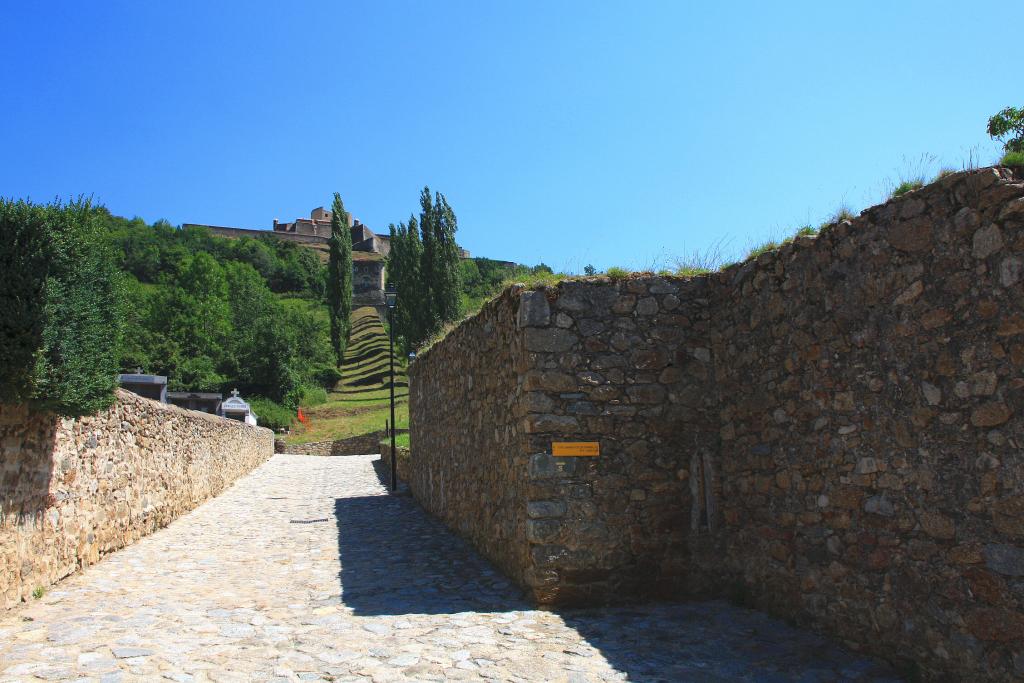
(624, 134)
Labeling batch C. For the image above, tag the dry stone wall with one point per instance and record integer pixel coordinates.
(75, 490)
(832, 431)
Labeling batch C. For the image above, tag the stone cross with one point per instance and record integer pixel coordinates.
(234, 393)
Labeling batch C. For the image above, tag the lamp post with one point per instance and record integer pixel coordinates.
(391, 298)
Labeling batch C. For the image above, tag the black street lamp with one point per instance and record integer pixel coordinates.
(391, 298)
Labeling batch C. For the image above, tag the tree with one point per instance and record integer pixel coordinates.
(589, 270)
(339, 278)
(404, 273)
(427, 263)
(440, 269)
(197, 316)
(1009, 123)
(447, 287)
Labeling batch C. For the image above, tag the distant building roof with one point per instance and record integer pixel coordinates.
(141, 378)
(207, 395)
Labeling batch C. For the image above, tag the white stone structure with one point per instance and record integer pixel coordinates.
(235, 408)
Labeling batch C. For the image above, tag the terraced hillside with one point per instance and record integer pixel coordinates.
(360, 402)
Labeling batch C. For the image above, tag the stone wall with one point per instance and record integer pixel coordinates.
(870, 385)
(467, 435)
(364, 444)
(831, 430)
(404, 457)
(75, 490)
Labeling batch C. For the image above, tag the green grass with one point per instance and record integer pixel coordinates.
(532, 281)
(313, 396)
(843, 213)
(908, 186)
(360, 404)
(807, 231)
(401, 441)
(617, 273)
(1012, 159)
(38, 592)
(762, 248)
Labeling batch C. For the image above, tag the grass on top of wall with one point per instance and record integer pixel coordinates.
(711, 262)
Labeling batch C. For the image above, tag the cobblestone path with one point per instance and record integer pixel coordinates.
(307, 570)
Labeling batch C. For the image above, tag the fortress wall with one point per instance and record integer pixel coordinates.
(73, 490)
(247, 232)
(831, 431)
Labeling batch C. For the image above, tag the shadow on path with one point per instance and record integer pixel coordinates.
(398, 560)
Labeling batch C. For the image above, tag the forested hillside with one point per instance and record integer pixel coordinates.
(214, 314)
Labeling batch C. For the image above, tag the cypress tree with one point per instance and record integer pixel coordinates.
(418, 315)
(447, 274)
(429, 317)
(339, 278)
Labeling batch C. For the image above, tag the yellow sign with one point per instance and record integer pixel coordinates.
(577, 448)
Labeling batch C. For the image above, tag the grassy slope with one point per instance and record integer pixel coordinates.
(360, 402)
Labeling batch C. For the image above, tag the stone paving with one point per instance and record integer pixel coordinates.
(307, 570)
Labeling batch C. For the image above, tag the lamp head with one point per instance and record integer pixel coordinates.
(390, 296)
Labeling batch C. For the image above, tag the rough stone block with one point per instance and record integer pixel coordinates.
(987, 241)
(538, 509)
(534, 310)
(549, 340)
(547, 423)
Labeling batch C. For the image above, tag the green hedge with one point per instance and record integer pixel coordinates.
(24, 261)
(61, 316)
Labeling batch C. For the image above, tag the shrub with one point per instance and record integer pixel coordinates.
(617, 273)
(76, 372)
(73, 358)
(1009, 124)
(944, 173)
(908, 186)
(24, 261)
(1012, 159)
(272, 415)
(326, 376)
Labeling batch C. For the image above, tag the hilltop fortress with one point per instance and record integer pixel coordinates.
(368, 248)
